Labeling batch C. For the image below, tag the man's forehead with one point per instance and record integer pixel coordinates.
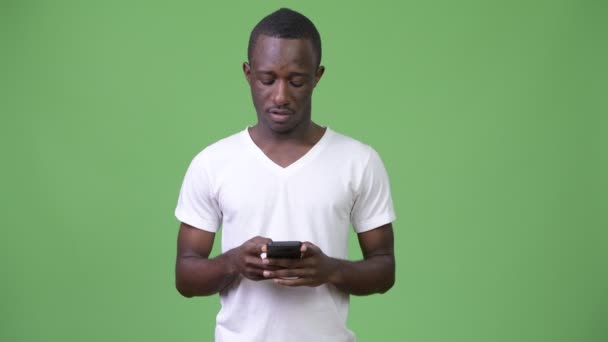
(272, 50)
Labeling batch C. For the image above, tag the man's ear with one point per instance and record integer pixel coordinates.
(247, 71)
(319, 74)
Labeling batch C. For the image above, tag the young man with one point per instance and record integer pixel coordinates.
(286, 178)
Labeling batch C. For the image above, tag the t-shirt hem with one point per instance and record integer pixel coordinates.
(201, 224)
(374, 222)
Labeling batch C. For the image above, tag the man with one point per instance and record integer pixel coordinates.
(286, 178)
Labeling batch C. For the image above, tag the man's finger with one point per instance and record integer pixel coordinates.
(285, 263)
(292, 282)
(309, 249)
(255, 262)
(287, 273)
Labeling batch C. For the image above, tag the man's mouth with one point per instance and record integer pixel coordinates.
(280, 115)
(280, 112)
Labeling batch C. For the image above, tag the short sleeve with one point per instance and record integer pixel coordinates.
(373, 205)
(197, 206)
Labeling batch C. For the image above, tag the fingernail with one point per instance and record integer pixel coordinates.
(266, 273)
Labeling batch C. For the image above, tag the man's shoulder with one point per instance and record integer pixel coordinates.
(229, 143)
(224, 148)
(349, 146)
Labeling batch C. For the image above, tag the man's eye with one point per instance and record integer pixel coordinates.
(267, 82)
(297, 84)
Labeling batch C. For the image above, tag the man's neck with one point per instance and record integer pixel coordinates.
(302, 135)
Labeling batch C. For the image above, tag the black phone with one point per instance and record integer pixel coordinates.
(284, 249)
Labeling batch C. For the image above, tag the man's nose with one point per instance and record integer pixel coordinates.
(281, 95)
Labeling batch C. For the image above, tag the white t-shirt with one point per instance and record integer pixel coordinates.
(233, 184)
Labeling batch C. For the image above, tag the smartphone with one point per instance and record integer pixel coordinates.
(284, 249)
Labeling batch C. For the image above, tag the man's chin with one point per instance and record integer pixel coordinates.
(281, 127)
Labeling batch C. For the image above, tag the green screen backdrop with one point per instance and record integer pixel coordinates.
(490, 117)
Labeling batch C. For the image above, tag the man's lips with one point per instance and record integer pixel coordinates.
(280, 115)
(280, 112)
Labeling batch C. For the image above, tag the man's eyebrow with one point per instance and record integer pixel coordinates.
(295, 73)
(291, 74)
(264, 72)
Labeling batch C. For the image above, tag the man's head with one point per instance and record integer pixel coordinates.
(287, 24)
(284, 67)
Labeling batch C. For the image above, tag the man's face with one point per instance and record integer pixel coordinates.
(282, 76)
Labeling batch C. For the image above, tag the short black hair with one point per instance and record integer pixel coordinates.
(286, 23)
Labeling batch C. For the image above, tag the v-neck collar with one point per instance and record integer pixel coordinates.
(303, 160)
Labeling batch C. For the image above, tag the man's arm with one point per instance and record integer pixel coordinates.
(197, 275)
(374, 274)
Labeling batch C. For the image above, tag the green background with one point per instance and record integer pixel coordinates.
(490, 118)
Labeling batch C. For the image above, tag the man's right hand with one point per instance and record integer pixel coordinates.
(245, 259)
(197, 275)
